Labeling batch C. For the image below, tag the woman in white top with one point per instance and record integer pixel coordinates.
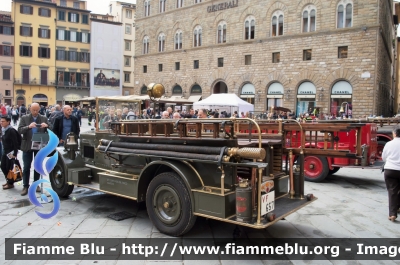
(391, 156)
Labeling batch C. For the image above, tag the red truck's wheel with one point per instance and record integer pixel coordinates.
(379, 150)
(169, 205)
(315, 168)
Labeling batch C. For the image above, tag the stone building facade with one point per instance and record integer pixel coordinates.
(306, 54)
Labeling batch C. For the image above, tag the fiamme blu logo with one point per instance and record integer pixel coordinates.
(44, 166)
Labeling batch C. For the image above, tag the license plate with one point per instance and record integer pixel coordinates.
(267, 202)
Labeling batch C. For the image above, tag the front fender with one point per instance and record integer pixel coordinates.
(188, 174)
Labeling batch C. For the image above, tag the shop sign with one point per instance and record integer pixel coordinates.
(306, 92)
(222, 6)
(72, 97)
(341, 92)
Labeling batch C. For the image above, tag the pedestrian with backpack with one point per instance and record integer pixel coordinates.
(22, 110)
(28, 126)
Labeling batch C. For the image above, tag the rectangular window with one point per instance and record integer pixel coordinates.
(247, 59)
(76, 5)
(342, 52)
(160, 67)
(85, 19)
(220, 62)
(128, 13)
(177, 66)
(61, 15)
(60, 55)
(85, 57)
(144, 68)
(43, 52)
(60, 34)
(43, 77)
(276, 57)
(73, 17)
(44, 12)
(196, 64)
(72, 56)
(127, 61)
(85, 37)
(127, 77)
(127, 45)
(6, 74)
(26, 9)
(127, 29)
(307, 55)
(26, 31)
(44, 33)
(25, 76)
(6, 50)
(25, 51)
(6, 30)
(8, 92)
(72, 36)
(63, 3)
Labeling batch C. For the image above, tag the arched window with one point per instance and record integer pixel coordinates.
(249, 28)
(145, 45)
(309, 18)
(178, 40)
(179, 3)
(147, 8)
(161, 42)
(162, 5)
(344, 15)
(197, 36)
(277, 23)
(221, 34)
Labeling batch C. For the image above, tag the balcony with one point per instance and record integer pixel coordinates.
(70, 85)
(34, 81)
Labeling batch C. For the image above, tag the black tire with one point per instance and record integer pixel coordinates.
(169, 205)
(379, 150)
(316, 168)
(59, 181)
(334, 170)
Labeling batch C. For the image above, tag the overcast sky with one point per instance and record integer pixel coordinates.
(96, 6)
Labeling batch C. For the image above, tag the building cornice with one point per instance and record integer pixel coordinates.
(105, 21)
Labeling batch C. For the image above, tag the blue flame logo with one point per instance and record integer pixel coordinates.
(49, 166)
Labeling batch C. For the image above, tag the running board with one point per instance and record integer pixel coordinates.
(96, 187)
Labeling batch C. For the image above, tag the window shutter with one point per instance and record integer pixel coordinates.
(21, 9)
(79, 36)
(49, 13)
(77, 17)
(39, 11)
(1, 29)
(78, 78)
(12, 30)
(69, 16)
(30, 51)
(57, 57)
(67, 55)
(1, 49)
(39, 33)
(48, 52)
(12, 50)
(20, 30)
(31, 31)
(88, 38)
(56, 34)
(48, 34)
(67, 35)
(20, 50)
(39, 55)
(31, 7)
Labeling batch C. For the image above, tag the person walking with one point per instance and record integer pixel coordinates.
(28, 126)
(79, 114)
(391, 157)
(65, 124)
(15, 115)
(9, 138)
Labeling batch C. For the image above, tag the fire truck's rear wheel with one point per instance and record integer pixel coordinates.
(58, 179)
(315, 168)
(169, 205)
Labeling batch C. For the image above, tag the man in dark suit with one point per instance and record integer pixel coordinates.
(29, 125)
(65, 124)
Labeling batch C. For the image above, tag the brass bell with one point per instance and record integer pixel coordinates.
(71, 139)
(155, 91)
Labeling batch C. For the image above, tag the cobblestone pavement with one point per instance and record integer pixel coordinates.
(351, 204)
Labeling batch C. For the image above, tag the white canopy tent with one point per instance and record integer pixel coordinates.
(223, 101)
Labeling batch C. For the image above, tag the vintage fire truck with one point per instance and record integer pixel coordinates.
(184, 168)
(384, 133)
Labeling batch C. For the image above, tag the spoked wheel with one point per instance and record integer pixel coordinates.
(315, 168)
(169, 205)
(58, 179)
(379, 150)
